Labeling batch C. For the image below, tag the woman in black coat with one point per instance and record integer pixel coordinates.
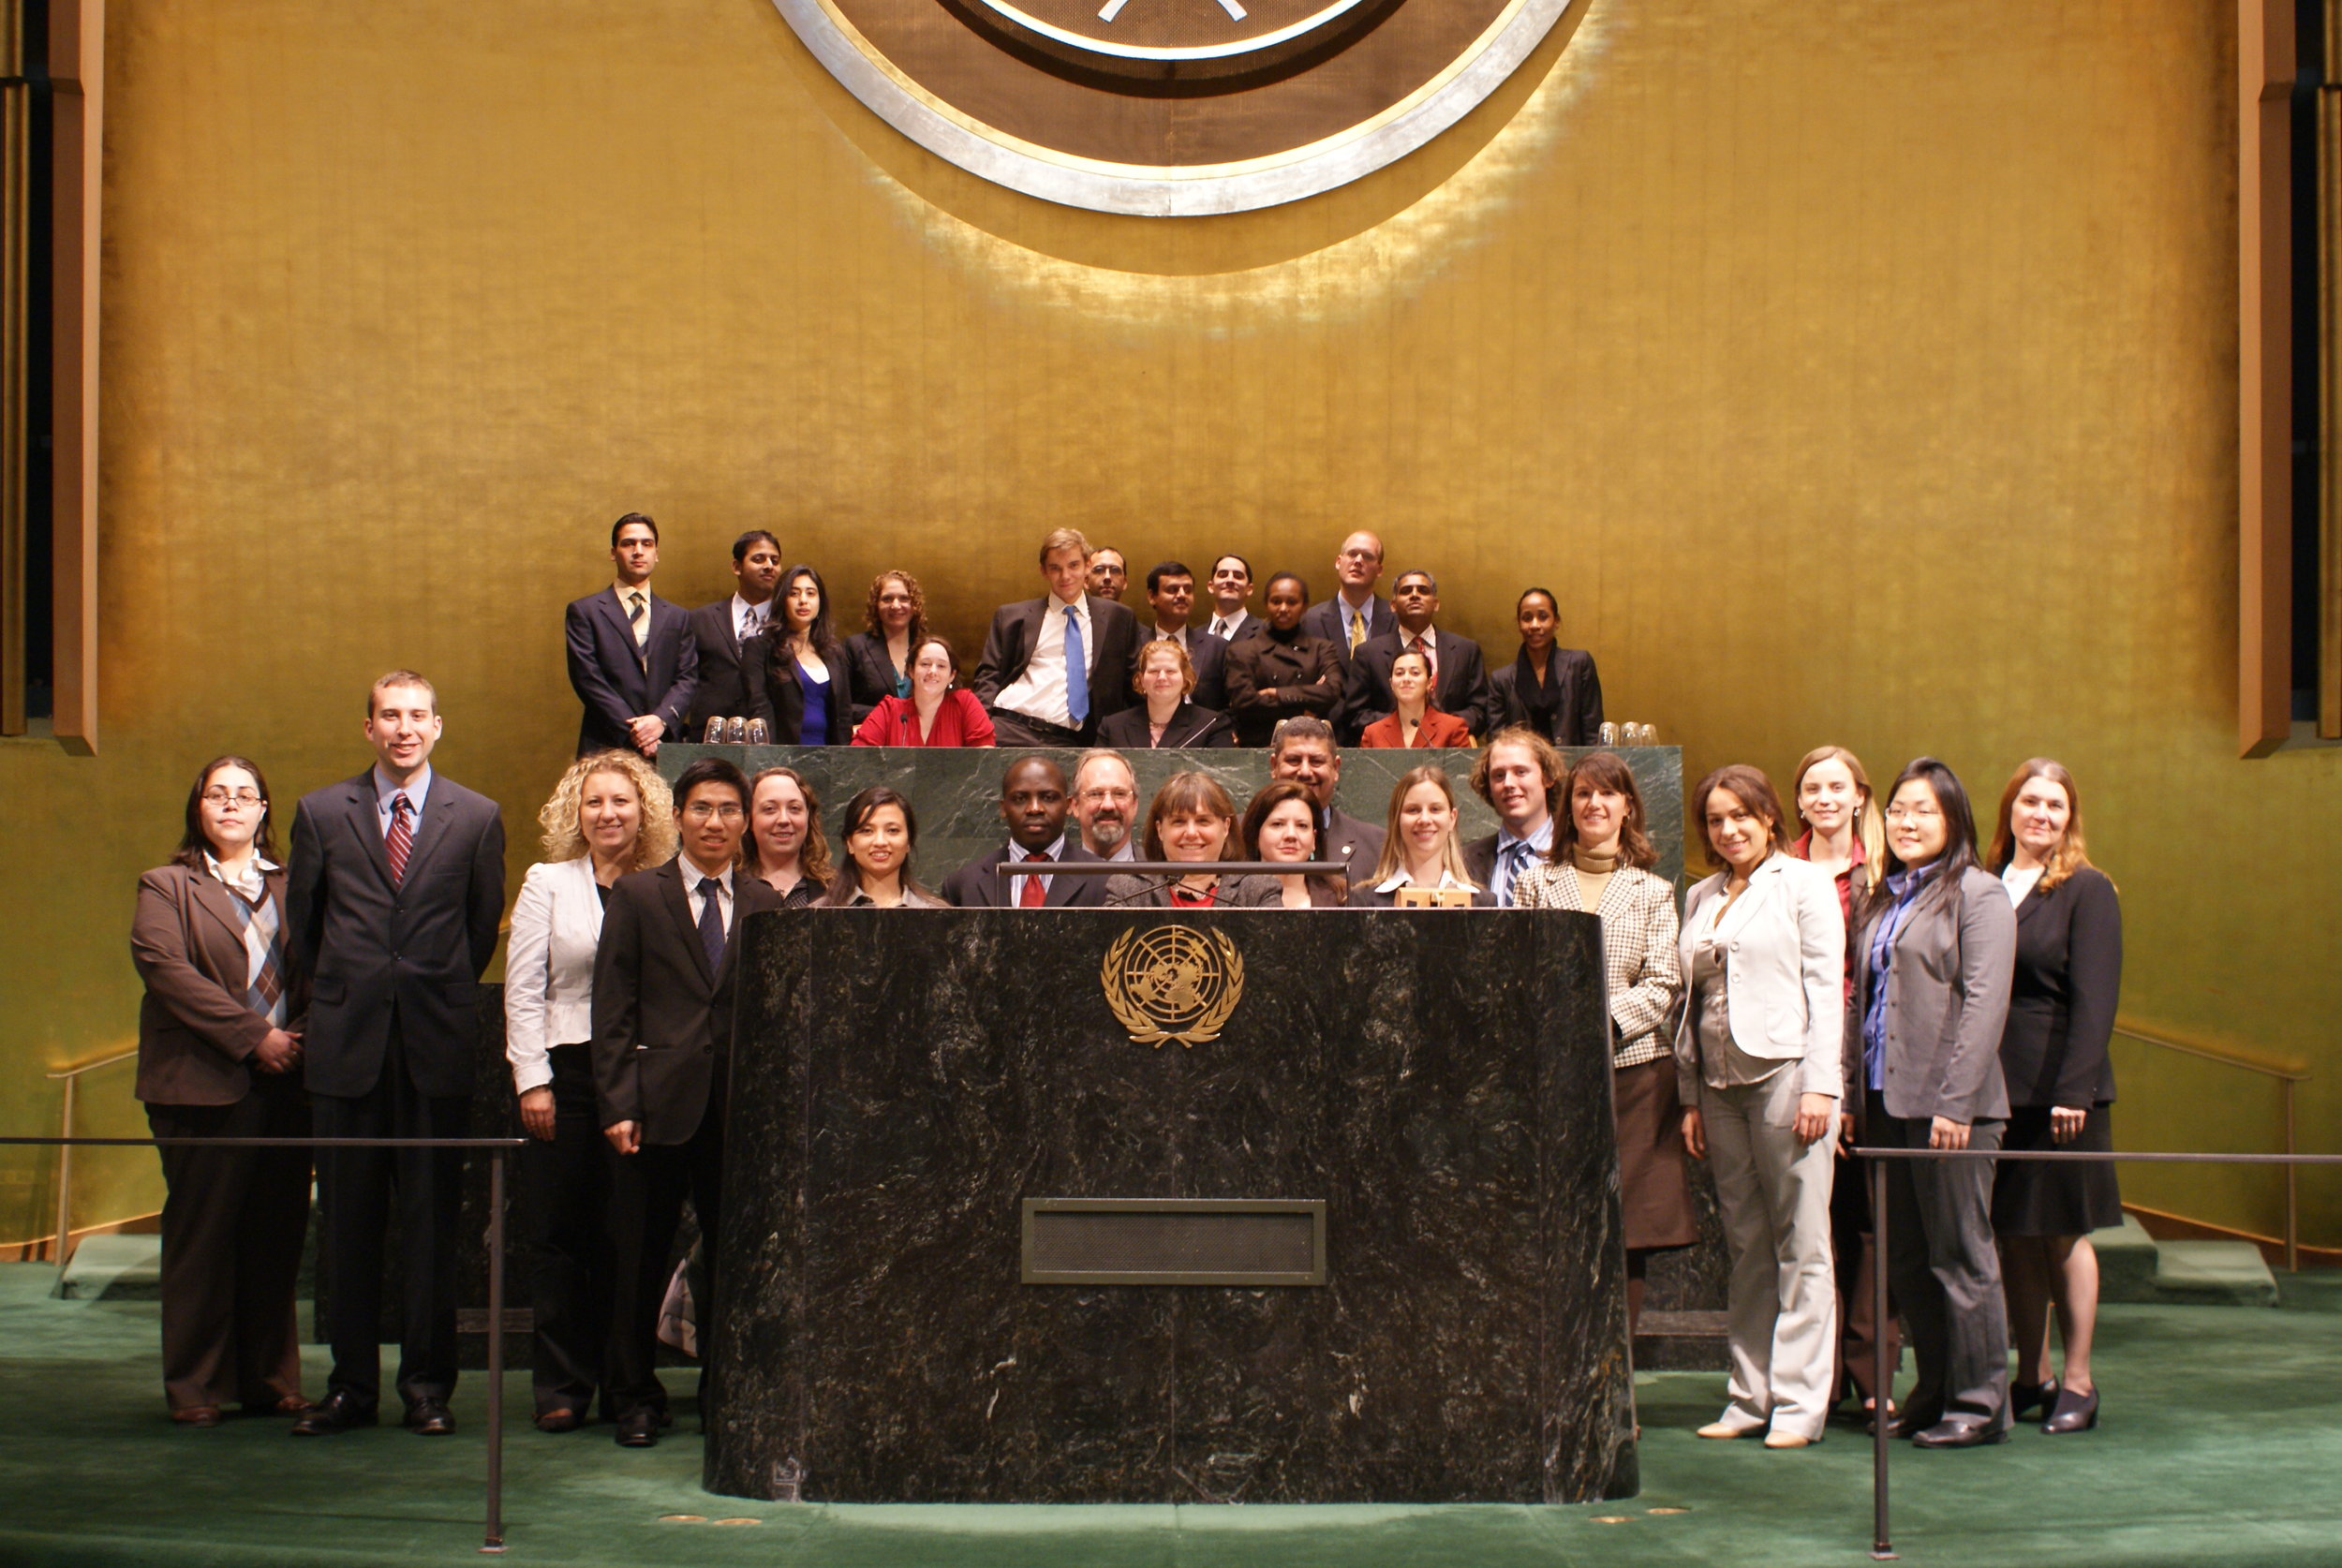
(2061, 1082)
(1163, 719)
(781, 664)
(1552, 691)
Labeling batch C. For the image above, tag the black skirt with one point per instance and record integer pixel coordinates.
(2043, 1197)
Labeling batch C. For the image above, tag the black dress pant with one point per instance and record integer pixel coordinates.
(1944, 1268)
(355, 1189)
(646, 1192)
(234, 1220)
(564, 1196)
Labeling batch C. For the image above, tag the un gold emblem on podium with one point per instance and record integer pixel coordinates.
(1172, 983)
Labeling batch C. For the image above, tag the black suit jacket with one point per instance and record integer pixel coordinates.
(1207, 654)
(1462, 689)
(1016, 627)
(1574, 715)
(1323, 619)
(372, 948)
(974, 886)
(1189, 726)
(873, 673)
(1343, 837)
(617, 684)
(776, 696)
(722, 689)
(2061, 1007)
(662, 1018)
(1271, 679)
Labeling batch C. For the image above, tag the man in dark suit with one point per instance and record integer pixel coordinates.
(1232, 619)
(391, 902)
(665, 976)
(1460, 679)
(631, 661)
(1171, 590)
(1304, 751)
(1354, 615)
(717, 631)
(1519, 775)
(1034, 803)
(1022, 680)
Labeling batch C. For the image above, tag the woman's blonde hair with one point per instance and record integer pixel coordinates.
(813, 855)
(1869, 817)
(2070, 856)
(1394, 857)
(654, 843)
(1164, 645)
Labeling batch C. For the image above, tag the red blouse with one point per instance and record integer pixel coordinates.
(959, 721)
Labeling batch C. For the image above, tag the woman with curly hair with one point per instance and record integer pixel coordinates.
(878, 657)
(610, 814)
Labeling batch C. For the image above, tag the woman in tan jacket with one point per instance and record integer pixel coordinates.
(219, 1057)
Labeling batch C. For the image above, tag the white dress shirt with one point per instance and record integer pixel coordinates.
(1040, 692)
(1229, 627)
(1055, 851)
(2019, 884)
(749, 619)
(691, 878)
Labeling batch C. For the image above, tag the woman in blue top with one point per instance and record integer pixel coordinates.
(799, 682)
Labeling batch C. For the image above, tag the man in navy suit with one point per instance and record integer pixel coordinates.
(1171, 592)
(631, 659)
(1460, 680)
(720, 631)
(1351, 617)
(1034, 803)
(391, 902)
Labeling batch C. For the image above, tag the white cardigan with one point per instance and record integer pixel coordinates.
(549, 967)
(1784, 941)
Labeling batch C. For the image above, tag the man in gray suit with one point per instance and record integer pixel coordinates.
(1304, 750)
(391, 902)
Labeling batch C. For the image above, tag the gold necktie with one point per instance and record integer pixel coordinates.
(1357, 631)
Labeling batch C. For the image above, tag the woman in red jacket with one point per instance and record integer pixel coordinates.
(937, 712)
(1414, 722)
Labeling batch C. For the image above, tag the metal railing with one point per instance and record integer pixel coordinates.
(1882, 1546)
(2287, 1074)
(497, 1150)
(72, 1078)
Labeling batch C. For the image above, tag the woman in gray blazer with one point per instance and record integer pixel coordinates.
(1759, 1062)
(611, 814)
(219, 1057)
(1934, 959)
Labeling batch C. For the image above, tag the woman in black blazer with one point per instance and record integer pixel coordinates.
(2061, 1082)
(219, 1057)
(1555, 692)
(878, 657)
(782, 687)
(1163, 718)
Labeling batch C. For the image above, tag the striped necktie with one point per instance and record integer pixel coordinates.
(1358, 629)
(402, 836)
(637, 620)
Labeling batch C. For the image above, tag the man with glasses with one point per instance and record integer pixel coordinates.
(665, 976)
(1109, 574)
(1354, 617)
(392, 901)
(1033, 803)
(1105, 805)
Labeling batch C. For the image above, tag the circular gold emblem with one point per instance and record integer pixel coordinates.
(1173, 983)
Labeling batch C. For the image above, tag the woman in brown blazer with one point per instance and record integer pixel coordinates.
(1414, 722)
(219, 1057)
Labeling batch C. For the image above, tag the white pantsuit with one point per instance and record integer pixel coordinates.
(1779, 950)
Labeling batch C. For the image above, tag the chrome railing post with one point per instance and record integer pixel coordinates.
(2292, 1209)
(1882, 1374)
(495, 1353)
(62, 1248)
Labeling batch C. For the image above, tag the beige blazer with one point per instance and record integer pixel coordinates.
(1784, 941)
(1639, 951)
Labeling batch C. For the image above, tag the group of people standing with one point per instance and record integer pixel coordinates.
(1072, 666)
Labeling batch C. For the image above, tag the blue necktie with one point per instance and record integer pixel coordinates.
(1076, 671)
(1508, 869)
(712, 922)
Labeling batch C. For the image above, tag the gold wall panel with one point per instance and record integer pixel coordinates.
(1852, 372)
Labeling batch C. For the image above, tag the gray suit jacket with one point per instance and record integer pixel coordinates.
(1948, 983)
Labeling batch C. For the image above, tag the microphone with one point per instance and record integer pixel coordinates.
(1160, 884)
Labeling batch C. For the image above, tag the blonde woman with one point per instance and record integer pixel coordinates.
(1600, 864)
(610, 814)
(1420, 845)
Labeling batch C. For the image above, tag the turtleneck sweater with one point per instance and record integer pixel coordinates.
(1594, 874)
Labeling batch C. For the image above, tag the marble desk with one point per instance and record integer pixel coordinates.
(903, 1081)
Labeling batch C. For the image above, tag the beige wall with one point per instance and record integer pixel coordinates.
(1854, 371)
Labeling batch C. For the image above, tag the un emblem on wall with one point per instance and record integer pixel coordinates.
(1172, 983)
(1171, 108)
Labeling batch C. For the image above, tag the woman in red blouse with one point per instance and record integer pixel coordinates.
(937, 712)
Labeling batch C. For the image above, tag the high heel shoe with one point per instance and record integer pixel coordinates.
(2073, 1412)
(2024, 1397)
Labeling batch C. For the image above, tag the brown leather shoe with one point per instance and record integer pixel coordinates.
(197, 1416)
(288, 1404)
(557, 1420)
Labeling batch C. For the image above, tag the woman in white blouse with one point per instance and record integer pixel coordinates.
(1420, 851)
(611, 814)
(1760, 1063)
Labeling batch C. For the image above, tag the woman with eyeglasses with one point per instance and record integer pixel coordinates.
(610, 814)
(800, 681)
(1935, 956)
(219, 1057)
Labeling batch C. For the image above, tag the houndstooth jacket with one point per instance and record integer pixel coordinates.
(1639, 951)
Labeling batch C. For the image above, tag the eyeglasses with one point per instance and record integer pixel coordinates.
(700, 811)
(1094, 797)
(1913, 813)
(217, 795)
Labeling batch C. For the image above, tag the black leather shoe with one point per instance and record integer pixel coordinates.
(428, 1417)
(2025, 1397)
(339, 1413)
(638, 1429)
(2073, 1412)
(1959, 1431)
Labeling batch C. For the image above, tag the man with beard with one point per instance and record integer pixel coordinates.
(1106, 804)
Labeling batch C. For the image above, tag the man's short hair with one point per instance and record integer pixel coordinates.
(1302, 726)
(1161, 570)
(1102, 754)
(1549, 762)
(1232, 555)
(401, 678)
(1428, 580)
(633, 517)
(1028, 759)
(711, 770)
(740, 545)
(1064, 539)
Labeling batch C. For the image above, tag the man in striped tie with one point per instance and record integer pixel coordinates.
(633, 661)
(392, 897)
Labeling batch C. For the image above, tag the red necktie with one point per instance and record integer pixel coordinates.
(1035, 893)
(402, 836)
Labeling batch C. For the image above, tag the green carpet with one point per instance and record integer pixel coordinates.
(2220, 1447)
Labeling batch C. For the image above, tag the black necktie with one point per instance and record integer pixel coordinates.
(712, 922)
